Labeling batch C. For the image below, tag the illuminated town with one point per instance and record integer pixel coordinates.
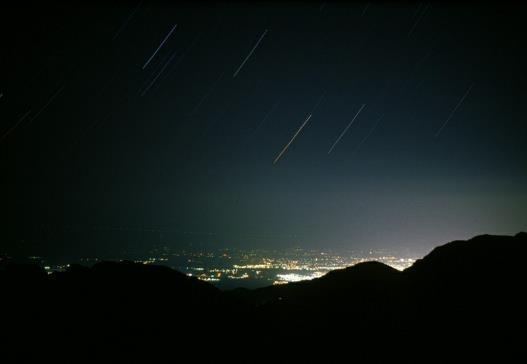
(231, 268)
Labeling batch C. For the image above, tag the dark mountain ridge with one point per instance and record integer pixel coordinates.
(462, 289)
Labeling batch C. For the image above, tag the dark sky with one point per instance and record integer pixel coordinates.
(100, 153)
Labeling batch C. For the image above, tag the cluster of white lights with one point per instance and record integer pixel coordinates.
(295, 277)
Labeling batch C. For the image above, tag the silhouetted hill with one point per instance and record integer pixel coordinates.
(467, 287)
(481, 253)
(461, 291)
(363, 277)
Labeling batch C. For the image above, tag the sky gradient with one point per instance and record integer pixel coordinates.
(116, 132)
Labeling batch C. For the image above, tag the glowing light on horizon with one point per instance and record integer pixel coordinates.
(295, 277)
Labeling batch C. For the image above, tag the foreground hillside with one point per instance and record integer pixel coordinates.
(460, 292)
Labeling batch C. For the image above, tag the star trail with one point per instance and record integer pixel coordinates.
(327, 124)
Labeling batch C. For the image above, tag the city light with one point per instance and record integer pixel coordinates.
(252, 268)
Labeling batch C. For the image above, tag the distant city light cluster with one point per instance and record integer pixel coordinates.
(232, 268)
(295, 277)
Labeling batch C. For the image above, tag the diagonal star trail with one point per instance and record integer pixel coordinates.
(453, 111)
(206, 95)
(128, 19)
(250, 53)
(273, 108)
(321, 97)
(158, 74)
(369, 133)
(292, 139)
(345, 130)
(318, 101)
(160, 45)
(11, 129)
(425, 10)
(53, 97)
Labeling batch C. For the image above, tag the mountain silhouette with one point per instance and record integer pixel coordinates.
(461, 292)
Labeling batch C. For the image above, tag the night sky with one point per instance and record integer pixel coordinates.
(124, 125)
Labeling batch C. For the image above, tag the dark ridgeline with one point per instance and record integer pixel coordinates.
(463, 295)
